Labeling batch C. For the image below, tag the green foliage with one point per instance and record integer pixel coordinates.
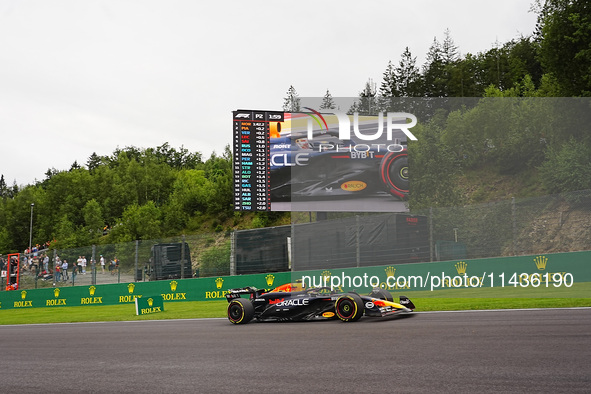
(215, 261)
(567, 168)
(5, 240)
(564, 32)
(93, 220)
(66, 233)
(219, 195)
(261, 219)
(137, 193)
(138, 222)
(434, 168)
(508, 133)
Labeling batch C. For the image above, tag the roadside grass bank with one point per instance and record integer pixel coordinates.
(213, 309)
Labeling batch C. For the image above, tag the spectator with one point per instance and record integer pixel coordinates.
(75, 269)
(45, 275)
(64, 270)
(102, 261)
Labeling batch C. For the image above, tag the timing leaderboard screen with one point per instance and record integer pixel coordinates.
(297, 161)
(251, 159)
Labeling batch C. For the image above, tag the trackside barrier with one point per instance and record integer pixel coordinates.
(198, 289)
(539, 271)
(545, 271)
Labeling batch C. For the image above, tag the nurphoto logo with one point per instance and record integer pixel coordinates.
(394, 121)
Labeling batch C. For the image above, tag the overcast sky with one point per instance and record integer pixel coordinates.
(84, 76)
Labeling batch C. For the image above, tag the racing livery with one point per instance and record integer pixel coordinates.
(292, 303)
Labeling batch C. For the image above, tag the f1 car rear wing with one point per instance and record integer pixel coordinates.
(250, 290)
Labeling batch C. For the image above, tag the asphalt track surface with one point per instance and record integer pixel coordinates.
(468, 352)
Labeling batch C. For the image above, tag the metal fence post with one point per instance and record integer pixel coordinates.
(183, 256)
(233, 253)
(431, 233)
(137, 246)
(37, 271)
(357, 242)
(54, 256)
(93, 265)
(514, 220)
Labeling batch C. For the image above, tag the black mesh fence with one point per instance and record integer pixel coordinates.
(549, 224)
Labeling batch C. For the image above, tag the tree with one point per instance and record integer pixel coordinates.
(50, 173)
(367, 104)
(389, 85)
(355, 107)
(567, 168)
(93, 219)
(138, 222)
(564, 33)
(408, 76)
(523, 59)
(3, 187)
(65, 233)
(176, 159)
(218, 171)
(434, 167)
(433, 72)
(327, 101)
(93, 162)
(291, 103)
(449, 50)
(75, 166)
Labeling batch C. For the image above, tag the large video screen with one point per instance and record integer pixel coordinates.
(314, 161)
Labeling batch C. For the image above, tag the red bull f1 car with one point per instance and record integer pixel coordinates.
(292, 303)
(328, 167)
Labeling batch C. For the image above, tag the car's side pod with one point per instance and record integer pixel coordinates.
(405, 301)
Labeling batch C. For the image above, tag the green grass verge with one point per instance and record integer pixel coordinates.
(205, 309)
(125, 312)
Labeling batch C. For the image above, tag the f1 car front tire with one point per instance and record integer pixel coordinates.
(349, 307)
(240, 311)
(394, 173)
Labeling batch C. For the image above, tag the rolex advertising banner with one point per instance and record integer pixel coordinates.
(547, 275)
(198, 289)
(148, 305)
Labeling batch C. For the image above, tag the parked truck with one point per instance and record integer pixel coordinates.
(170, 261)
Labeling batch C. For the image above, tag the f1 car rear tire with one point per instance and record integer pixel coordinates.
(240, 311)
(349, 307)
(381, 294)
(394, 173)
